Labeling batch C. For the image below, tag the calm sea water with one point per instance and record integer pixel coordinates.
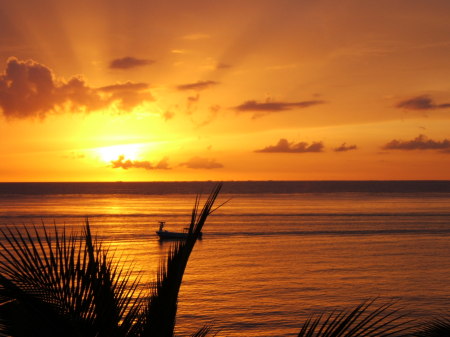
(276, 252)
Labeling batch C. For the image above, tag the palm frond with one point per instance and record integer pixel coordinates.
(439, 327)
(161, 311)
(67, 278)
(27, 282)
(205, 331)
(364, 320)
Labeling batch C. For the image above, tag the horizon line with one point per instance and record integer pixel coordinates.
(224, 181)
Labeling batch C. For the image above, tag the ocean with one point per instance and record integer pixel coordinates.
(275, 252)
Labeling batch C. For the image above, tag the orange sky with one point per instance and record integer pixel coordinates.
(224, 90)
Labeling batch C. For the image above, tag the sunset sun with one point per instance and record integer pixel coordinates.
(128, 151)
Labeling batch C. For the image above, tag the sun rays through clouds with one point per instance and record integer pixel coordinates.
(230, 89)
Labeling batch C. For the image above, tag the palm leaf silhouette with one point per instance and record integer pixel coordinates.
(439, 327)
(69, 285)
(162, 306)
(364, 320)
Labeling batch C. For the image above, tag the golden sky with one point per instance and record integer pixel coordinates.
(107, 90)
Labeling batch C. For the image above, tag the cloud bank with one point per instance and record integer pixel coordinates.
(421, 142)
(344, 147)
(263, 108)
(127, 164)
(283, 146)
(201, 85)
(29, 90)
(421, 103)
(202, 163)
(129, 62)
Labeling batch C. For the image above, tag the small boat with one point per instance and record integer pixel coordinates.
(167, 235)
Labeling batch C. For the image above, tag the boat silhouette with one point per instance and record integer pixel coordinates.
(169, 235)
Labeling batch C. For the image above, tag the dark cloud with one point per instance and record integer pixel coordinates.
(127, 164)
(283, 146)
(263, 108)
(421, 142)
(274, 106)
(202, 163)
(193, 99)
(421, 103)
(127, 86)
(201, 85)
(29, 89)
(344, 147)
(129, 62)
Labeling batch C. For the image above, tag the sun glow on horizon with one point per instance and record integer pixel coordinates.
(128, 151)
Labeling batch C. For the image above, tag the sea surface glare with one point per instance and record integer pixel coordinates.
(275, 253)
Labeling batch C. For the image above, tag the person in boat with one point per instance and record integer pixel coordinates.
(161, 226)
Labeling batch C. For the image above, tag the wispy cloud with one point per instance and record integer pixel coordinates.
(421, 142)
(192, 103)
(202, 163)
(127, 86)
(221, 65)
(168, 115)
(283, 146)
(29, 89)
(179, 51)
(127, 164)
(129, 62)
(213, 112)
(421, 103)
(193, 99)
(344, 147)
(200, 85)
(128, 94)
(74, 155)
(263, 108)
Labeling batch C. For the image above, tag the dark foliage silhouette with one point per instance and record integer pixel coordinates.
(438, 327)
(366, 319)
(55, 284)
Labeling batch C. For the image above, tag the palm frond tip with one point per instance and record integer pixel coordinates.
(438, 327)
(162, 305)
(365, 320)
